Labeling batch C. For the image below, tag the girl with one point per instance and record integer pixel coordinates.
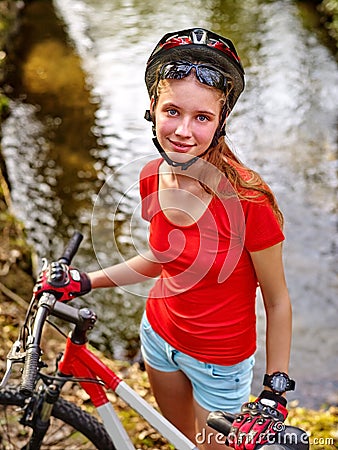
(215, 235)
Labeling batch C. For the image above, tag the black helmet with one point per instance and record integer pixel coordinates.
(203, 46)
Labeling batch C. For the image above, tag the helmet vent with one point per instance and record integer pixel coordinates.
(199, 36)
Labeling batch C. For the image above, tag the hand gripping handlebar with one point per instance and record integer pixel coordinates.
(291, 438)
(45, 305)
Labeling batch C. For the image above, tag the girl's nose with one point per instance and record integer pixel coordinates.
(183, 128)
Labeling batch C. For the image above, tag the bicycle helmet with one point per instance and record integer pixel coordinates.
(206, 47)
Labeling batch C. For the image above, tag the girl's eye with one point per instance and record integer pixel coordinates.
(172, 112)
(202, 118)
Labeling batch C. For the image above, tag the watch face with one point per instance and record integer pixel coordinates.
(279, 383)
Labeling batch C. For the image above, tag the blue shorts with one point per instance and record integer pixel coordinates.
(215, 387)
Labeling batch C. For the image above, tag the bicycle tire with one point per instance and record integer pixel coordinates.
(67, 421)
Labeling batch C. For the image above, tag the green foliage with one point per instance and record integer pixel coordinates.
(321, 426)
(330, 9)
(4, 106)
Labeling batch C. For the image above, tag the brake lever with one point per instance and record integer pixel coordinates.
(44, 262)
(14, 356)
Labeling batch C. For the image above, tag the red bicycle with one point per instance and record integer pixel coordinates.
(35, 416)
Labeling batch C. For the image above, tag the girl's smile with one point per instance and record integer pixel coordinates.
(180, 147)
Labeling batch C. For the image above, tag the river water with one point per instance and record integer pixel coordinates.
(76, 140)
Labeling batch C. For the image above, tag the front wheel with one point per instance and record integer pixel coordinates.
(71, 428)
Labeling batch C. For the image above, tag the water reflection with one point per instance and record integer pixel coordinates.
(91, 153)
(25, 155)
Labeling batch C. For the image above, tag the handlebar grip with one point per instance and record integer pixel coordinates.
(71, 248)
(221, 421)
(30, 370)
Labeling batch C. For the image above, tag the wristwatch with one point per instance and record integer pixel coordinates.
(279, 382)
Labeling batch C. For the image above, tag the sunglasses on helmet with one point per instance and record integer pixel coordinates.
(205, 73)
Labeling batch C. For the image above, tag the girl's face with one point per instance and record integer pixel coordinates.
(187, 115)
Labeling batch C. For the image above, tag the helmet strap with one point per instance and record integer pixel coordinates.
(221, 127)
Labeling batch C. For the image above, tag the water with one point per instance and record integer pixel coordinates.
(74, 153)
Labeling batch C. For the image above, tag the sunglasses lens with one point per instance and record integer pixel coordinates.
(211, 77)
(205, 74)
(176, 71)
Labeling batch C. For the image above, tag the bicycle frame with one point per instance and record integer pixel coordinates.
(80, 362)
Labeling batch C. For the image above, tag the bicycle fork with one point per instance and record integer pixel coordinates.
(37, 413)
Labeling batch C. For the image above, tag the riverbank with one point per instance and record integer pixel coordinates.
(17, 264)
(15, 254)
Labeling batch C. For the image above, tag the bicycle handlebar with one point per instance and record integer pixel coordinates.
(46, 304)
(291, 438)
(71, 248)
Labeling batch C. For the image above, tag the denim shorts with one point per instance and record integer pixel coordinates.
(215, 387)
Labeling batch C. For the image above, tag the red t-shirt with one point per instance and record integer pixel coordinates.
(203, 303)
